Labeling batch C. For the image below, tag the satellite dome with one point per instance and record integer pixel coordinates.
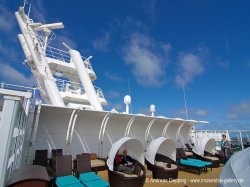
(152, 108)
(127, 100)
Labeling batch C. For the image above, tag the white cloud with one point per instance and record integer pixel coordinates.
(145, 111)
(102, 42)
(13, 76)
(223, 63)
(240, 111)
(181, 113)
(7, 20)
(38, 11)
(166, 47)
(222, 125)
(248, 64)
(7, 49)
(64, 37)
(147, 59)
(118, 107)
(192, 113)
(113, 76)
(200, 112)
(113, 94)
(150, 9)
(127, 25)
(190, 66)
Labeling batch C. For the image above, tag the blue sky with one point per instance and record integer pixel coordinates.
(158, 46)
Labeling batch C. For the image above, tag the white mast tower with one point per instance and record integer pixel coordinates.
(64, 78)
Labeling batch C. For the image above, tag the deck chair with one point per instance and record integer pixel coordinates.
(54, 154)
(41, 158)
(64, 177)
(195, 165)
(120, 179)
(189, 147)
(189, 151)
(160, 169)
(211, 158)
(97, 164)
(88, 178)
(190, 162)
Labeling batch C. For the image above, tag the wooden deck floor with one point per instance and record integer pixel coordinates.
(185, 179)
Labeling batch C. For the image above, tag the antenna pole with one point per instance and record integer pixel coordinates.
(29, 11)
(128, 87)
(24, 3)
(129, 94)
(65, 45)
(184, 94)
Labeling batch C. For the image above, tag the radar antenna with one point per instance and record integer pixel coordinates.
(24, 3)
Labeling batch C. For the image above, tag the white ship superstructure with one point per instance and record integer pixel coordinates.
(64, 78)
(72, 116)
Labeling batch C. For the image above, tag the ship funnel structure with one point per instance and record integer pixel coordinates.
(127, 102)
(85, 79)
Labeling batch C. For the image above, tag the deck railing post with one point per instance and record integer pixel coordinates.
(241, 141)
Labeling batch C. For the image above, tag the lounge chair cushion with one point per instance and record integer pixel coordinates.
(192, 163)
(66, 180)
(189, 153)
(95, 183)
(74, 185)
(97, 163)
(196, 160)
(127, 175)
(89, 176)
(164, 165)
(211, 158)
(160, 164)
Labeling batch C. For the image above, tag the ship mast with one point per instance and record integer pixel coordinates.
(34, 52)
(64, 78)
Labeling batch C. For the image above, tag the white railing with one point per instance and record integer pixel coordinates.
(64, 56)
(57, 54)
(99, 92)
(238, 138)
(33, 90)
(75, 87)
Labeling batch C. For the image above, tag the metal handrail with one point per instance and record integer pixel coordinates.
(64, 56)
(57, 54)
(99, 92)
(18, 87)
(65, 86)
(75, 87)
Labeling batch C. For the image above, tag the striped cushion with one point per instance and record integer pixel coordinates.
(97, 163)
(189, 153)
(211, 158)
(127, 175)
